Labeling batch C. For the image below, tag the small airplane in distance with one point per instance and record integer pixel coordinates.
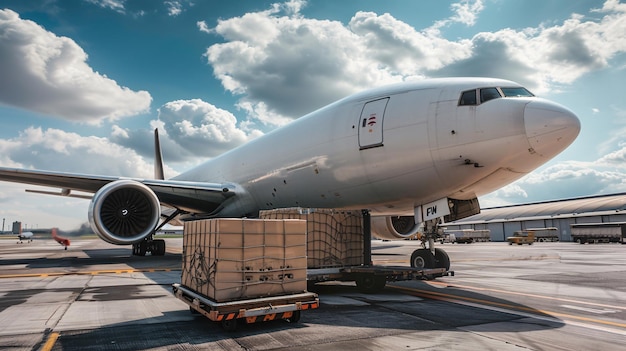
(61, 240)
(406, 154)
(25, 236)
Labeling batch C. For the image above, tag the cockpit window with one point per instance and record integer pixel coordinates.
(516, 92)
(468, 98)
(487, 94)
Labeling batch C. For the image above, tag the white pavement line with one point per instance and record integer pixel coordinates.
(590, 310)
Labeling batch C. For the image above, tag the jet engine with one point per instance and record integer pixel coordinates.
(124, 212)
(394, 227)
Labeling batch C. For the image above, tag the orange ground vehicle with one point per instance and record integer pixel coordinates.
(63, 241)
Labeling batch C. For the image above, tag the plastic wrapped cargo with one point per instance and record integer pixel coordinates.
(334, 237)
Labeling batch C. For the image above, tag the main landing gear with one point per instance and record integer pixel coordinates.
(429, 256)
(155, 246)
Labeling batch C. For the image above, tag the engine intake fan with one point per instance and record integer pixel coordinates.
(124, 212)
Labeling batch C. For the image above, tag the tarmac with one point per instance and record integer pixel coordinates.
(96, 296)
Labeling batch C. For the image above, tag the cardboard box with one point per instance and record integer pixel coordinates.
(233, 259)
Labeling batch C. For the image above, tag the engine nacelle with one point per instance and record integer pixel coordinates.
(394, 227)
(124, 212)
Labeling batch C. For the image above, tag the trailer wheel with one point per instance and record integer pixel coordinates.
(370, 284)
(422, 258)
(295, 317)
(229, 325)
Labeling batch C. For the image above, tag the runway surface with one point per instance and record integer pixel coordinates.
(96, 296)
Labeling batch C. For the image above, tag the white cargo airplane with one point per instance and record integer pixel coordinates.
(25, 236)
(408, 153)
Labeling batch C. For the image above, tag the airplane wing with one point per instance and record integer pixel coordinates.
(195, 197)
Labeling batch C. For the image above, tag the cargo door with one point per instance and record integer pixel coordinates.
(371, 124)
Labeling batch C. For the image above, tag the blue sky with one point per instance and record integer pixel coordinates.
(84, 82)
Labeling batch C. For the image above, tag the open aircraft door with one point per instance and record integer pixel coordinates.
(371, 124)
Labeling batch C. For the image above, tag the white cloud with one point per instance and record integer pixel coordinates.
(545, 57)
(49, 74)
(202, 129)
(115, 5)
(607, 175)
(174, 8)
(203, 27)
(294, 64)
(57, 150)
(465, 12)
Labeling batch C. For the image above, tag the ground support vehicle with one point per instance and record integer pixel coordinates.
(263, 309)
(522, 238)
(467, 236)
(592, 233)
(541, 234)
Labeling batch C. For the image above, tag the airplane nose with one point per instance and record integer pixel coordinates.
(550, 127)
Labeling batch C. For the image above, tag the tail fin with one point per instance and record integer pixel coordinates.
(158, 157)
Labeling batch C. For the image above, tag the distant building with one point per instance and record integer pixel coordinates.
(504, 221)
(170, 229)
(17, 227)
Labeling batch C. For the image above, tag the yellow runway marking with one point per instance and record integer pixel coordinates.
(114, 271)
(451, 298)
(52, 339)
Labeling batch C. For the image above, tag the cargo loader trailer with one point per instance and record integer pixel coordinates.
(263, 309)
(371, 278)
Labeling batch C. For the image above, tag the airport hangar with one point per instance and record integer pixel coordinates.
(505, 221)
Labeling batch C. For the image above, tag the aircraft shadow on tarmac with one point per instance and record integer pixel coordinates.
(96, 257)
(397, 316)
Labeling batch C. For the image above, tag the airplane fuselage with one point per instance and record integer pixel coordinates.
(394, 148)
(422, 149)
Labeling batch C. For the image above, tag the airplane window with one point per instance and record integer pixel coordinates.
(487, 94)
(516, 92)
(468, 98)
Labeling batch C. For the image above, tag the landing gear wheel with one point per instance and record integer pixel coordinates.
(140, 248)
(159, 247)
(229, 325)
(370, 284)
(422, 258)
(442, 260)
(295, 317)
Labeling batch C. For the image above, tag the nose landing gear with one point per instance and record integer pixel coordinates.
(429, 256)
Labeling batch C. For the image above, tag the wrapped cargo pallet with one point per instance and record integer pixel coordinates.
(334, 237)
(233, 259)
